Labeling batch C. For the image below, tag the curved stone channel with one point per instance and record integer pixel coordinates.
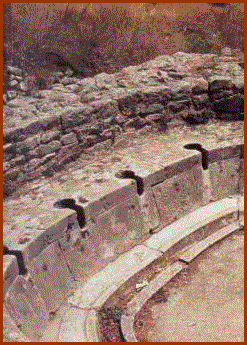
(204, 302)
(153, 220)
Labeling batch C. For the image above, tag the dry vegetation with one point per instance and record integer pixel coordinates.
(106, 37)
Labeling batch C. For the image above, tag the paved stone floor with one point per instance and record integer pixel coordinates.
(204, 303)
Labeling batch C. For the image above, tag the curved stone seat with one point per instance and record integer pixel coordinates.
(124, 232)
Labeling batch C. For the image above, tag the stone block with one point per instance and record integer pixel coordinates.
(224, 152)
(185, 226)
(179, 195)
(52, 276)
(10, 271)
(68, 139)
(174, 168)
(232, 104)
(49, 136)
(26, 307)
(52, 226)
(11, 332)
(149, 210)
(79, 326)
(107, 195)
(116, 272)
(224, 178)
(44, 150)
(111, 233)
(20, 160)
(55, 145)
(217, 83)
(11, 174)
(241, 177)
(198, 247)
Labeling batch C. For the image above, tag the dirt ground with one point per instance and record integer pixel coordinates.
(205, 302)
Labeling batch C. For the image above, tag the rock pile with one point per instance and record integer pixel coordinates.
(47, 128)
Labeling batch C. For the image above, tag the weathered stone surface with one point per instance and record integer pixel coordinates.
(28, 144)
(11, 332)
(217, 83)
(55, 145)
(20, 160)
(14, 70)
(193, 116)
(221, 94)
(193, 221)
(74, 116)
(201, 101)
(137, 123)
(12, 94)
(44, 150)
(90, 140)
(51, 276)
(68, 139)
(179, 105)
(10, 271)
(67, 81)
(115, 273)
(224, 177)
(26, 307)
(233, 104)
(174, 86)
(49, 136)
(12, 174)
(178, 195)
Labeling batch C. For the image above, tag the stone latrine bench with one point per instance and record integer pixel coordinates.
(80, 258)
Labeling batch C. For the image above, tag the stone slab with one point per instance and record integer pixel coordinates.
(112, 233)
(79, 325)
(185, 226)
(224, 152)
(175, 167)
(199, 247)
(31, 239)
(72, 326)
(134, 306)
(127, 328)
(179, 195)
(10, 271)
(11, 332)
(26, 307)
(116, 272)
(104, 195)
(51, 276)
(224, 178)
